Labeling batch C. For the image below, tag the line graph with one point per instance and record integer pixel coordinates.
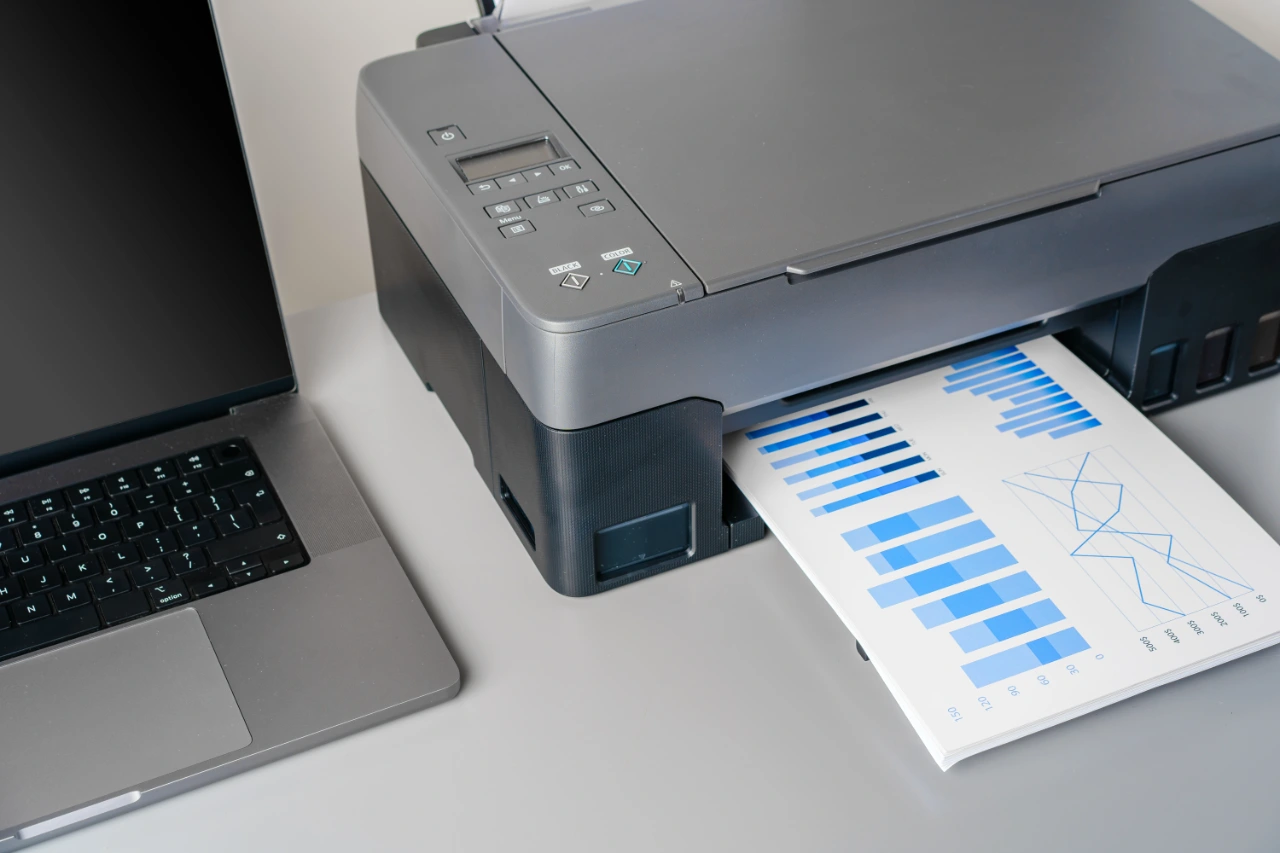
(1136, 546)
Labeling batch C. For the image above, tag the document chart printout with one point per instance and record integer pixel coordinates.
(1012, 543)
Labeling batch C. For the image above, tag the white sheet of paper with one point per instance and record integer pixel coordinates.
(1012, 543)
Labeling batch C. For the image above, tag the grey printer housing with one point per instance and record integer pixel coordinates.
(772, 207)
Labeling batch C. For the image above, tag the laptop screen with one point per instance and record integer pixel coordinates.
(135, 292)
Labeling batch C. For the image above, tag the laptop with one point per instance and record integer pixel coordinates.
(190, 583)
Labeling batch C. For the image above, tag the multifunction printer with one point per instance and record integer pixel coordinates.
(607, 238)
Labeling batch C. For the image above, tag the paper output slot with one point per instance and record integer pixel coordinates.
(513, 506)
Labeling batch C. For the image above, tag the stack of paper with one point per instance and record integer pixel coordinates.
(1012, 543)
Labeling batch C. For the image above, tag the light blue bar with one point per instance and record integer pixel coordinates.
(901, 556)
(1022, 365)
(846, 462)
(975, 600)
(1036, 406)
(1006, 382)
(908, 522)
(861, 476)
(833, 448)
(1056, 422)
(1039, 416)
(1079, 426)
(961, 365)
(1018, 389)
(806, 419)
(1036, 394)
(1007, 625)
(1024, 658)
(983, 368)
(941, 576)
(875, 493)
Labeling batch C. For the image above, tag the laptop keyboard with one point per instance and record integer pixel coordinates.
(119, 548)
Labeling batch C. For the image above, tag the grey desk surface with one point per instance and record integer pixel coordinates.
(718, 707)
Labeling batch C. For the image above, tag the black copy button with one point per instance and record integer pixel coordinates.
(580, 189)
(502, 208)
(548, 197)
(519, 229)
(446, 135)
(595, 208)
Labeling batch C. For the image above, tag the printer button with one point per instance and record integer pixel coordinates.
(580, 189)
(627, 266)
(502, 208)
(566, 166)
(518, 229)
(577, 281)
(536, 174)
(509, 180)
(595, 208)
(482, 187)
(548, 197)
(446, 135)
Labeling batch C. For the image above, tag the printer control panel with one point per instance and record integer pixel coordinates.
(566, 243)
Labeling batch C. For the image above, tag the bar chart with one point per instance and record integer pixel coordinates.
(1137, 548)
(1038, 404)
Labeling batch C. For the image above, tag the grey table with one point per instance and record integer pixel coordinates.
(721, 706)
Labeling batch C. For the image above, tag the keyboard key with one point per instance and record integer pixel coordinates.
(46, 632)
(35, 532)
(258, 499)
(142, 524)
(47, 505)
(5, 621)
(75, 521)
(187, 561)
(230, 452)
(179, 513)
(8, 540)
(161, 543)
(119, 484)
(148, 573)
(242, 564)
(215, 503)
(193, 534)
(64, 547)
(24, 559)
(159, 472)
(31, 609)
(122, 608)
(12, 514)
(85, 493)
(70, 598)
(259, 539)
(149, 499)
(168, 594)
(41, 580)
(230, 475)
(247, 576)
(80, 569)
(284, 562)
(233, 523)
(187, 487)
(113, 510)
(193, 463)
(110, 585)
(103, 537)
(207, 583)
(119, 556)
(9, 590)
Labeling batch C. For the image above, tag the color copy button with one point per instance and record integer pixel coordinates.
(627, 266)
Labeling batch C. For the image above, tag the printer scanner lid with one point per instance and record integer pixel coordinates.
(761, 137)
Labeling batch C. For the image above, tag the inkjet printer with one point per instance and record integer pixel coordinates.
(607, 238)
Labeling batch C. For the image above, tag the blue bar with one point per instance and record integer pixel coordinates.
(971, 601)
(1036, 394)
(983, 368)
(1023, 364)
(833, 448)
(1036, 417)
(929, 547)
(1018, 389)
(942, 576)
(1024, 658)
(861, 476)
(1037, 405)
(1056, 422)
(846, 462)
(979, 635)
(981, 358)
(1004, 383)
(806, 419)
(1079, 426)
(875, 493)
(907, 522)
(810, 436)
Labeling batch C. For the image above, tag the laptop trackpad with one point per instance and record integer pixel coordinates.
(110, 713)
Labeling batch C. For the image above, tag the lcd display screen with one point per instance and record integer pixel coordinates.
(507, 160)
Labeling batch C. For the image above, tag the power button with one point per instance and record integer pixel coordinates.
(446, 135)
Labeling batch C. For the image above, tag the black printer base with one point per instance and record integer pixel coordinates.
(595, 508)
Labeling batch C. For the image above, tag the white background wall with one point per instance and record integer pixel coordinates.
(293, 66)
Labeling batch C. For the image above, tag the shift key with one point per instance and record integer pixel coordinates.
(243, 544)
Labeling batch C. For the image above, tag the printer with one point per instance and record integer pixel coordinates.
(609, 237)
